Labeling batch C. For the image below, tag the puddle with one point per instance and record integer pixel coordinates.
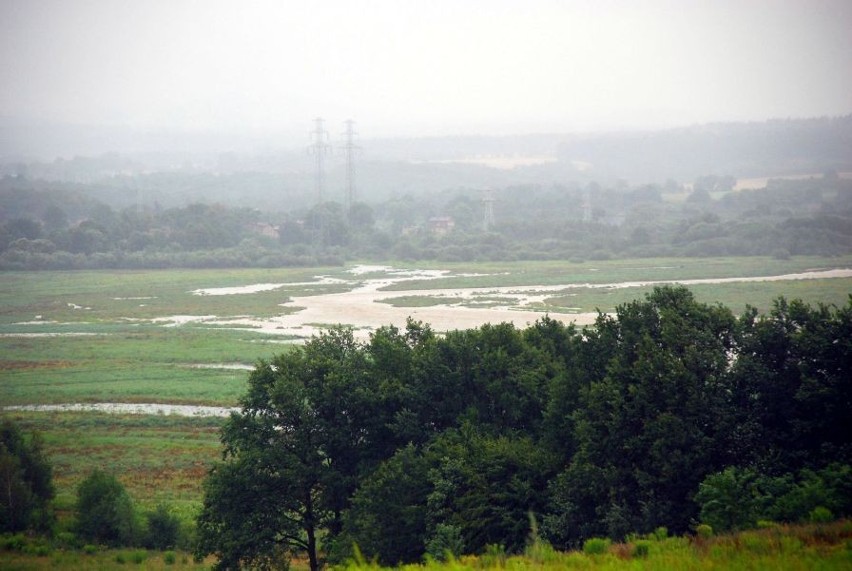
(129, 408)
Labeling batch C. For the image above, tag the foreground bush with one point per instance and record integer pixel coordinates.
(105, 512)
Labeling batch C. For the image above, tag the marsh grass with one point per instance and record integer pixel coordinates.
(733, 295)
(785, 548)
(613, 271)
(160, 459)
(421, 300)
(106, 560)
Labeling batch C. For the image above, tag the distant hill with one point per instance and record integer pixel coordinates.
(771, 148)
(178, 171)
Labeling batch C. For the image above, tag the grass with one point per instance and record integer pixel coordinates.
(130, 364)
(106, 560)
(733, 295)
(785, 548)
(158, 458)
(613, 271)
(120, 359)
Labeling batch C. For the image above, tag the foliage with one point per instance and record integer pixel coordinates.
(26, 478)
(162, 530)
(386, 519)
(596, 545)
(535, 221)
(412, 443)
(727, 500)
(306, 432)
(446, 542)
(105, 512)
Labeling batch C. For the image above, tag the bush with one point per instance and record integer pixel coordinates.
(641, 548)
(163, 529)
(704, 531)
(445, 542)
(727, 499)
(14, 542)
(104, 510)
(820, 514)
(169, 557)
(596, 546)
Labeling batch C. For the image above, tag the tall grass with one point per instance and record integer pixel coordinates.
(783, 548)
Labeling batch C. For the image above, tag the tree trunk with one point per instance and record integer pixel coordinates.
(311, 532)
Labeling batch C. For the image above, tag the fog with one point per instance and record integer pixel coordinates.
(236, 74)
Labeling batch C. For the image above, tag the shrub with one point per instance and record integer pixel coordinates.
(169, 557)
(163, 529)
(704, 531)
(727, 499)
(14, 542)
(641, 548)
(820, 514)
(445, 542)
(90, 549)
(104, 510)
(596, 546)
(661, 533)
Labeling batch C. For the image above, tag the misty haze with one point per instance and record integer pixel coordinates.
(513, 284)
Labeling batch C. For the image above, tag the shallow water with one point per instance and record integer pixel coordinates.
(128, 408)
(361, 307)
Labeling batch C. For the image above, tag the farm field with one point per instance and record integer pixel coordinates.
(189, 337)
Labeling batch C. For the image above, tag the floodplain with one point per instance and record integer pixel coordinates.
(190, 337)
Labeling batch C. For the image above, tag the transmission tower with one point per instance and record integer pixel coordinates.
(319, 147)
(488, 209)
(350, 148)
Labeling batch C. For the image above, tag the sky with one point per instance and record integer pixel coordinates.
(403, 68)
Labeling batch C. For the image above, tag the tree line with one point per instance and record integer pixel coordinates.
(42, 228)
(668, 414)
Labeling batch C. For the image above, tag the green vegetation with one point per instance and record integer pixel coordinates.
(26, 481)
(470, 431)
(670, 414)
(105, 512)
(159, 459)
(787, 547)
(536, 222)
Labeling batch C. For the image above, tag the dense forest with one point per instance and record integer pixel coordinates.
(667, 415)
(46, 225)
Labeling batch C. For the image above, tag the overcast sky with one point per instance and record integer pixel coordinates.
(430, 67)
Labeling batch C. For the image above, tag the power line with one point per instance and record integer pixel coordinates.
(319, 147)
(349, 149)
(488, 215)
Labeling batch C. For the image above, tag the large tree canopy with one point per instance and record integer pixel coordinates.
(414, 441)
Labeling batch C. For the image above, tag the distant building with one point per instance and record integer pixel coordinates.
(265, 229)
(441, 225)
